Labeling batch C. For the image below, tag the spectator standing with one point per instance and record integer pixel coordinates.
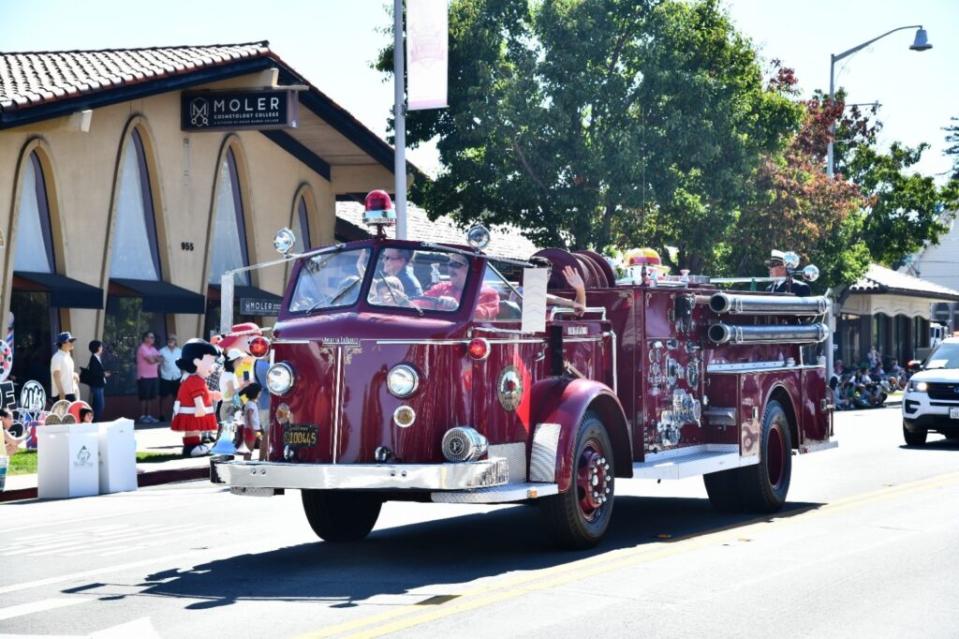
(96, 378)
(148, 379)
(63, 378)
(170, 374)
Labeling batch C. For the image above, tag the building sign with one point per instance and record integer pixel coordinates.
(240, 109)
(254, 306)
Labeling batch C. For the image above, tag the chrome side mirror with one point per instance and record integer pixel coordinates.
(478, 237)
(810, 273)
(791, 259)
(284, 240)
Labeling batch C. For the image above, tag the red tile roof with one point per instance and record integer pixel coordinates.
(29, 79)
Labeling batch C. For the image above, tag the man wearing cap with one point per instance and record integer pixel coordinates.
(63, 379)
(785, 283)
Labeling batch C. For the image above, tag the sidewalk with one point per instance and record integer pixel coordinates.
(154, 438)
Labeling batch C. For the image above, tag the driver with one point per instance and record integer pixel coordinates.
(448, 293)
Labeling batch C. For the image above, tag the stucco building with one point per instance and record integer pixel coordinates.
(119, 212)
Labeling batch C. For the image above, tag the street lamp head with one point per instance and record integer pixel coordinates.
(921, 43)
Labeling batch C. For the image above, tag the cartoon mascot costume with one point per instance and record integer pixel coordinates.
(193, 413)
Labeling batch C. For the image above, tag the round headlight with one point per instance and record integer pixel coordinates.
(279, 379)
(402, 380)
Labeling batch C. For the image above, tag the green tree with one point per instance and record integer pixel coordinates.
(598, 122)
(953, 149)
(796, 206)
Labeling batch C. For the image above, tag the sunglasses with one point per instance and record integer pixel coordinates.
(455, 264)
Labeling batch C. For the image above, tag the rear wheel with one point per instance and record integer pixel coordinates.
(761, 487)
(764, 486)
(916, 437)
(579, 517)
(341, 515)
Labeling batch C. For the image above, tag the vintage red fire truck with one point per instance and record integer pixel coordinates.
(481, 389)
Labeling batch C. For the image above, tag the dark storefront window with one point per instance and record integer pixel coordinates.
(124, 325)
(35, 329)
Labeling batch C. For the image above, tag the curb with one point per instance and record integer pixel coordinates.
(154, 478)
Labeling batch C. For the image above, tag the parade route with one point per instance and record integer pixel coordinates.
(189, 558)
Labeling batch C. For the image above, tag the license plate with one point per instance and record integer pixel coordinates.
(954, 413)
(298, 436)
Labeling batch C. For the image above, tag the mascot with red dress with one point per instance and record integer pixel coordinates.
(193, 413)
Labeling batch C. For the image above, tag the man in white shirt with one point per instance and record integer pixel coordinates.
(170, 374)
(63, 379)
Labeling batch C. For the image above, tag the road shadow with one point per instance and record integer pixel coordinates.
(396, 560)
(935, 445)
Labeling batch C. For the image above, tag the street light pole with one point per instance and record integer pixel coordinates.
(399, 120)
(920, 43)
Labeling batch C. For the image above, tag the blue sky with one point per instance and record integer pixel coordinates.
(333, 42)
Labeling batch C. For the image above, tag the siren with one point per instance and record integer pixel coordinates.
(379, 211)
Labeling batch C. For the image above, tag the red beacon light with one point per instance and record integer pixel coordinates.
(259, 346)
(379, 209)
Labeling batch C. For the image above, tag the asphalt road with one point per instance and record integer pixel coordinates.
(866, 547)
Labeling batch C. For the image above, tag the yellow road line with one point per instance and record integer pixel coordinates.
(510, 587)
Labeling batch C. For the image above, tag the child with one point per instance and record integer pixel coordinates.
(251, 419)
(193, 410)
(86, 415)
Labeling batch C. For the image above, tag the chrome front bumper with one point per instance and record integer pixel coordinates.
(272, 475)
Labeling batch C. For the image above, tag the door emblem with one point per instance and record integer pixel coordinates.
(509, 388)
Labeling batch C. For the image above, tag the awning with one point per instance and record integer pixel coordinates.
(163, 297)
(251, 300)
(65, 292)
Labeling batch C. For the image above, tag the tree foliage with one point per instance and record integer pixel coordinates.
(952, 137)
(617, 123)
(598, 122)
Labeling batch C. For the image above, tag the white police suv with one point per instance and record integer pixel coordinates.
(931, 401)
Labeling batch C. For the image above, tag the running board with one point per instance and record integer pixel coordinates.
(497, 494)
(691, 461)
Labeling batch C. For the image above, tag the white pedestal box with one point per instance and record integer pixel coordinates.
(67, 461)
(118, 456)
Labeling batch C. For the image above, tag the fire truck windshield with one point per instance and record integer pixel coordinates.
(423, 279)
(330, 280)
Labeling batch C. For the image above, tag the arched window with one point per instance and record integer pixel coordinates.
(34, 240)
(134, 250)
(229, 230)
(135, 303)
(301, 225)
(35, 318)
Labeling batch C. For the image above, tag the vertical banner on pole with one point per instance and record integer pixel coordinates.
(427, 48)
(226, 302)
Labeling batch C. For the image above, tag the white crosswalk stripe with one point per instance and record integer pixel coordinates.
(101, 540)
(44, 605)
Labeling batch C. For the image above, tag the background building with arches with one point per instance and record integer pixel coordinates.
(116, 219)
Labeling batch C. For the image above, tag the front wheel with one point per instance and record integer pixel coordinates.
(579, 517)
(915, 437)
(341, 515)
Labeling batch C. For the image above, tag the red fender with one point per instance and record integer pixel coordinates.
(564, 402)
